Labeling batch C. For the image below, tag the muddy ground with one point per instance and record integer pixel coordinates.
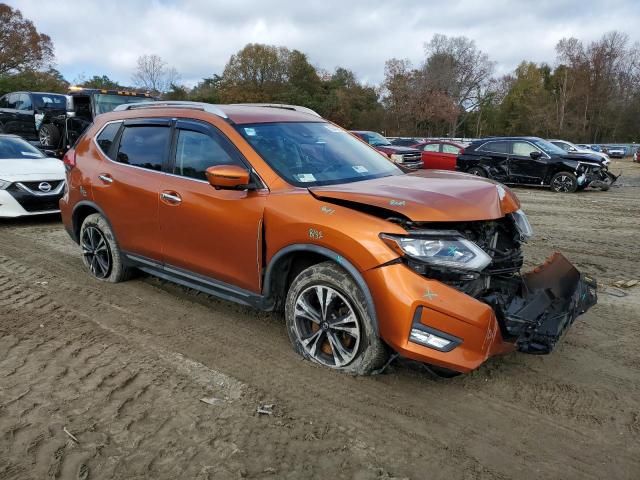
(123, 368)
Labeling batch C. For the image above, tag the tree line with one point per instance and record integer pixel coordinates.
(589, 93)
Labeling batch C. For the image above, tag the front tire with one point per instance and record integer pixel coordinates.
(328, 322)
(564, 182)
(100, 252)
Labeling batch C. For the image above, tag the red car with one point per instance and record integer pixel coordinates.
(439, 155)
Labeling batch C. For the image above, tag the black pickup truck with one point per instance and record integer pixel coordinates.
(54, 121)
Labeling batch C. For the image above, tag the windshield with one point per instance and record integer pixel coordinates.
(374, 139)
(47, 100)
(548, 147)
(107, 102)
(16, 148)
(316, 153)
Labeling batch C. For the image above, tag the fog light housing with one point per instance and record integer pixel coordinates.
(430, 337)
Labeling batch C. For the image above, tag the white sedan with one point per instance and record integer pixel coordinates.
(573, 148)
(30, 182)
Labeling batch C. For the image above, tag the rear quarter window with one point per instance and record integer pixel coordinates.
(495, 147)
(106, 137)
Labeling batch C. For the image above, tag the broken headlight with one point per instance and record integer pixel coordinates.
(522, 225)
(444, 249)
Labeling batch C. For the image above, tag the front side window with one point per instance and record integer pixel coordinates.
(431, 147)
(523, 149)
(197, 151)
(144, 146)
(16, 148)
(107, 136)
(495, 147)
(307, 154)
(3, 102)
(446, 148)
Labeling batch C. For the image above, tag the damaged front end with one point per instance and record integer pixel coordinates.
(533, 309)
(594, 175)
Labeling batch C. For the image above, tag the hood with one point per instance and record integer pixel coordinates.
(427, 196)
(396, 149)
(26, 168)
(584, 157)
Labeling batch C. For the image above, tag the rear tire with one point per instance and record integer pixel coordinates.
(478, 172)
(49, 135)
(328, 322)
(564, 182)
(100, 252)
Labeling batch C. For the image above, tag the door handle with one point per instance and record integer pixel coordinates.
(106, 178)
(172, 198)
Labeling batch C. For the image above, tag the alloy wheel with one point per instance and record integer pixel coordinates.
(96, 252)
(327, 326)
(562, 183)
(45, 138)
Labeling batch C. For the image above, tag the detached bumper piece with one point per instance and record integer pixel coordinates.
(550, 298)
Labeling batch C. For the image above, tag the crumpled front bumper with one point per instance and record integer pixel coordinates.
(551, 297)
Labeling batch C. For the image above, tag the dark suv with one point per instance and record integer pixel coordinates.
(536, 162)
(408, 157)
(30, 115)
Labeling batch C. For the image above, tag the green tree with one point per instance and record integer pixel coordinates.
(101, 81)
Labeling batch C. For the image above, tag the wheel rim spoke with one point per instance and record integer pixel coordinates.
(327, 326)
(96, 252)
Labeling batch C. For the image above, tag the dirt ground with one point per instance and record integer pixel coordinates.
(123, 367)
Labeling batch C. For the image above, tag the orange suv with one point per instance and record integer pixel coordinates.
(274, 207)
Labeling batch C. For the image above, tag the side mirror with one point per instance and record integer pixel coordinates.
(535, 155)
(228, 177)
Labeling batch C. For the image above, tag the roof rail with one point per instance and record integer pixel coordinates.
(206, 107)
(297, 108)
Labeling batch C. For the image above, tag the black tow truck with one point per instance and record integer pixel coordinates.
(83, 105)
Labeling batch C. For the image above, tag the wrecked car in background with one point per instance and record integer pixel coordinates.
(533, 161)
(363, 257)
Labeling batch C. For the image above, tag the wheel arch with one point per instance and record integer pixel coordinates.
(287, 263)
(81, 211)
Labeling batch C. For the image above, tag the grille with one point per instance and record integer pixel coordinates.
(412, 160)
(36, 203)
(34, 185)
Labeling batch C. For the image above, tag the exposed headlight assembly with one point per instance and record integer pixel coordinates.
(4, 184)
(522, 225)
(440, 248)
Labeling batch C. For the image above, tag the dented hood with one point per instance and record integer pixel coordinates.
(427, 196)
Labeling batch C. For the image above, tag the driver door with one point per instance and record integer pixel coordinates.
(214, 233)
(525, 169)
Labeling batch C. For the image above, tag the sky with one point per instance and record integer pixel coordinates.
(197, 37)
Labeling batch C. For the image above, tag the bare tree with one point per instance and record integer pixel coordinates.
(153, 74)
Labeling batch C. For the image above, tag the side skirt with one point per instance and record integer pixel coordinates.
(198, 282)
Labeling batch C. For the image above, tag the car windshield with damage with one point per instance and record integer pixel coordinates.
(309, 154)
(16, 148)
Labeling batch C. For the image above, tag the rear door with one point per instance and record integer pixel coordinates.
(448, 154)
(215, 233)
(494, 157)
(26, 117)
(431, 155)
(525, 169)
(128, 181)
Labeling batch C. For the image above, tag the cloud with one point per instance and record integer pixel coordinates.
(198, 36)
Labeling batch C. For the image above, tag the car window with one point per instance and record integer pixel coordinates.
(24, 102)
(107, 136)
(3, 102)
(144, 146)
(562, 145)
(12, 100)
(523, 149)
(450, 149)
(431, 147)
(197, 151)
(496, 147)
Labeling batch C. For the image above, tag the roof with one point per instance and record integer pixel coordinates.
(236, 113)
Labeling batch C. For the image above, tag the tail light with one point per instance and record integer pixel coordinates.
(70, 159)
